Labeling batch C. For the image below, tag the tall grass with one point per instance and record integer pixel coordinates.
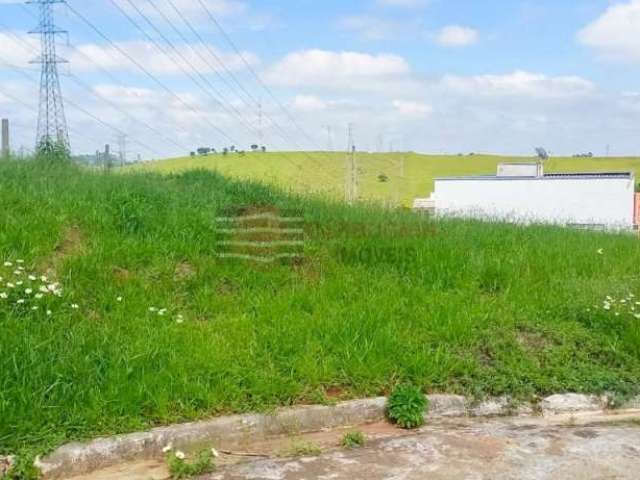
(383, 297)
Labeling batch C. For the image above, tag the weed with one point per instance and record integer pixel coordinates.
(407, 406)
(303, 449)
(353, 439)
(180, 467)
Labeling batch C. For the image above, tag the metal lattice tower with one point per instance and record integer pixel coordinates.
(52, 123)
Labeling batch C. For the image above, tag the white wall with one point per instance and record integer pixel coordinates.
(599, 201)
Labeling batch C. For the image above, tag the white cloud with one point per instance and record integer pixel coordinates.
(614, 34)
(412, 108)
(370, 27)
(457, 36)
(337, 70)
(519, 84)
(108, 57)
(309, 103)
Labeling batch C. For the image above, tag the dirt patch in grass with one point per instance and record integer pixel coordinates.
(72, 243)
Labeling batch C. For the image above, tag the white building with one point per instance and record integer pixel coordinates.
(522, 193)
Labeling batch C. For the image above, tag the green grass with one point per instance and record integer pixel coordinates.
(325, 172)
(384, 298)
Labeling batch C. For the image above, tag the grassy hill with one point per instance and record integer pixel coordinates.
(139, 323)
(326, 172)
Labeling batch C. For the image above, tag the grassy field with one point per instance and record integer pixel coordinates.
(139, 323)
(326, 172)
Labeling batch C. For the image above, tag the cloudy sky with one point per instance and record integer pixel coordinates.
(435, 76)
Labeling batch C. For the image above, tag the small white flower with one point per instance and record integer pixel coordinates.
(617, 314)
(162, 312)
(623, 301)
(32, 278)
(10, 285)
(637, 315)
(119, 299)
(168, 448)
(153, 309)
(34, 308)
(20, 301)
(215, 453)
(28, 291)
(4, 296)
(21, 269)
(38, 296)
(20, 283)
(52, 287)
(609, 297)
(43, 279)
(17, 272)
(44, 289)
(179, 319)
(19, 261)
(8, 264)
(49, 312)
(75, 306)
(180, 455)
(601, 251)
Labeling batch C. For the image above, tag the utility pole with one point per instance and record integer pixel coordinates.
(329, 138)
(351, 188)
(5, 139)
(52, 123)
(122, 147)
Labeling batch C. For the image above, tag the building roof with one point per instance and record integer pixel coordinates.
(550, 176)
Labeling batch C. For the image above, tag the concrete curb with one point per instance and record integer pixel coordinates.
(240, 430)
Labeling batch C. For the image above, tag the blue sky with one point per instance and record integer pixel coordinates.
(430, 75)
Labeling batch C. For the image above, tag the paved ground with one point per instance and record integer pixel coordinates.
(496, 450)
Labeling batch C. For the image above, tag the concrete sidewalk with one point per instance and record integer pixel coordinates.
(495, 449)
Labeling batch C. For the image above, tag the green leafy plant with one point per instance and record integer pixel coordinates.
(407, 405)
(180, 468)
(23, 469)
(353, 439)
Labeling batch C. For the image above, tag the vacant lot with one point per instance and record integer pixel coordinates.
(140, 323)
(393, 178)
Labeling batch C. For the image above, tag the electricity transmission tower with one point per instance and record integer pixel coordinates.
(122, 149)
(351, 187)
(52, 124)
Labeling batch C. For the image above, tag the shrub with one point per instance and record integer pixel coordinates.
(180, 468)
(407, 405)
(353, 439)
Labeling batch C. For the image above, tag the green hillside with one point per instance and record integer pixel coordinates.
(326, 172)
(116, 313)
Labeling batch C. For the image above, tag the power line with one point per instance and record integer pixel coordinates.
(82, 109)
(181, 56)
(143, 69)
(251, 69)
(83, 85)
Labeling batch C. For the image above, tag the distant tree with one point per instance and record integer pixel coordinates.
(225, 151)
(193, 154)
(213, 150)
(204, 151)
(263, 148)
(241, 153)
(254, 147)
(232, 148)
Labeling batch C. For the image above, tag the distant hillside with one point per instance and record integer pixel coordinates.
(382, 177)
